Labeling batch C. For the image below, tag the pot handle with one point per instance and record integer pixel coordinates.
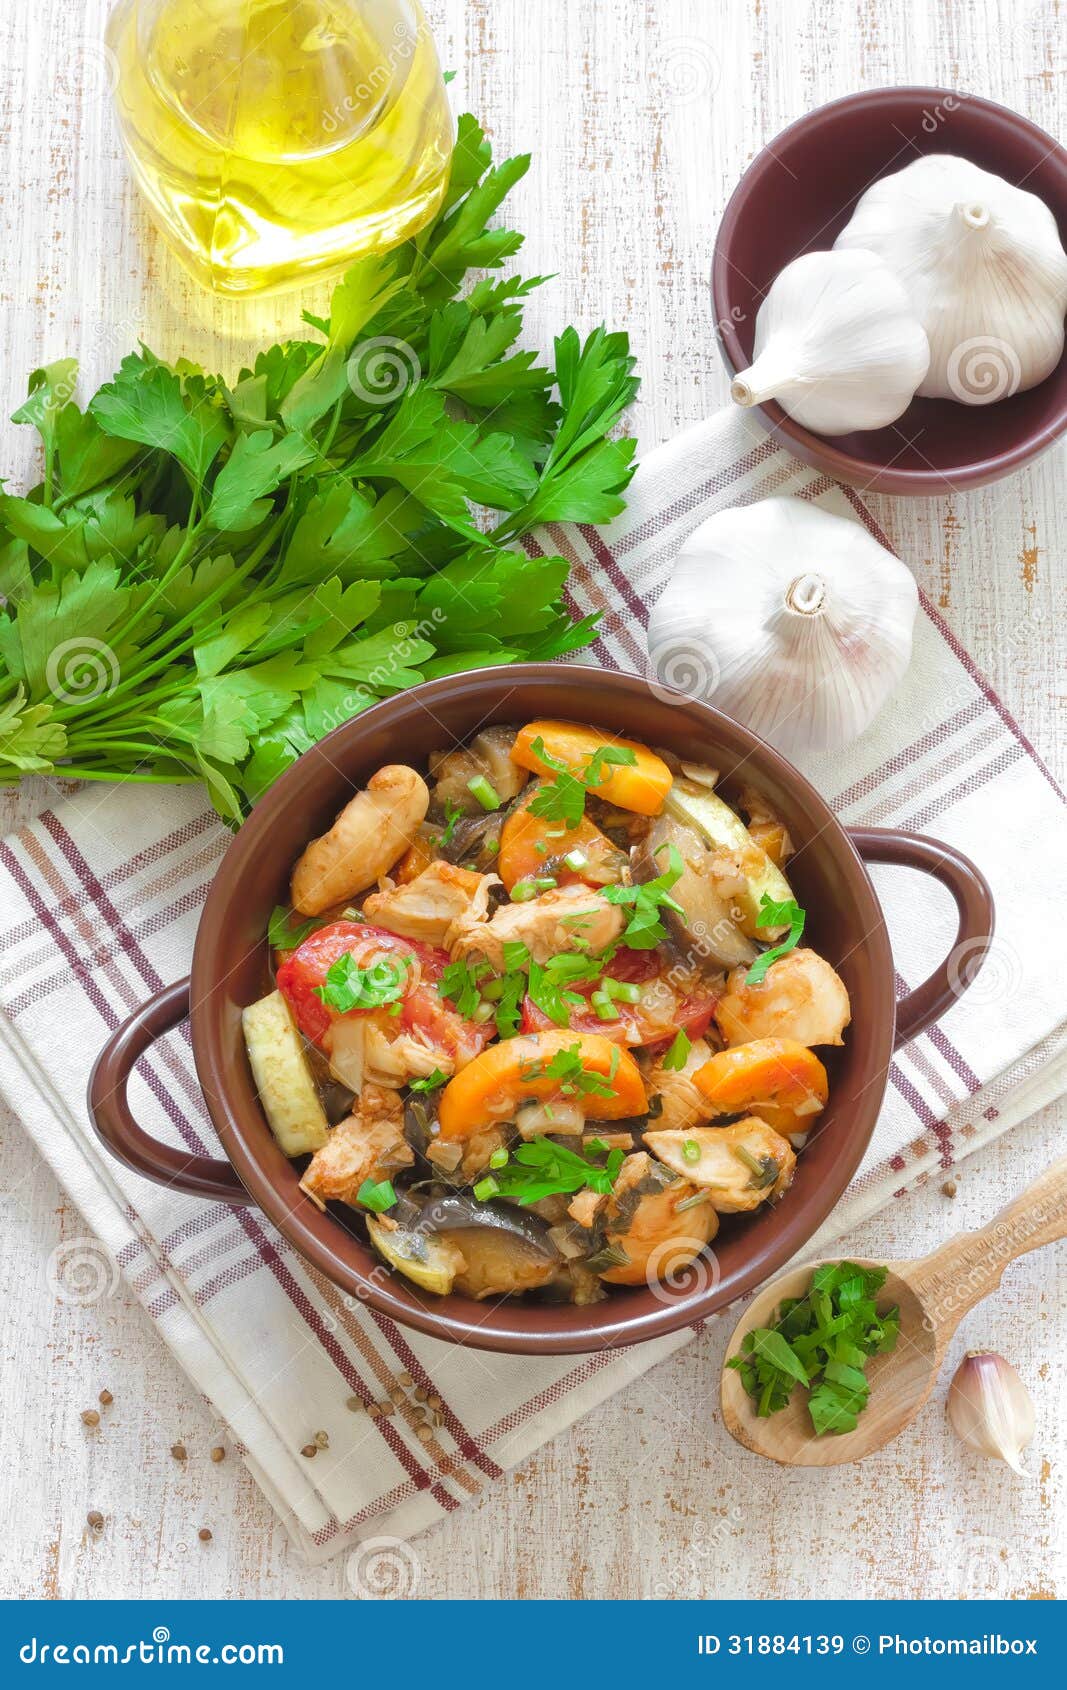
(974, 901)
(193, 1176)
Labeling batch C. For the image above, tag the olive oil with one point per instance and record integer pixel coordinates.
(278, 140)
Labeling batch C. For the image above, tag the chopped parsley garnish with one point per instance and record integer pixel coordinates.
(430, 1082)
(678, 1055)
(645, 929)
(770, 914)
(452, 817)
(575, 1079)
(461, 984)
(516, 954)
(823, 1342)
(378, 1197)
(281, 935)
(509, 1004)
(351, 986)
(563, 799)
(543, 1168)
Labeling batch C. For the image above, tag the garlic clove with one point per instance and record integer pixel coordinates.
(991, 1409)
(792, 620)
(984, 270)
(837, 345)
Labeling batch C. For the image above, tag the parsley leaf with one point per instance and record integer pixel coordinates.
(282, 935)
(645, 930)
(563, 799)
(430, 1082)
(772, 914)
(351, 986)
(543, 1168)
(248, 562)
(678, 1055)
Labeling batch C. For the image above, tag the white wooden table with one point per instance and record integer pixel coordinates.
(641, 114)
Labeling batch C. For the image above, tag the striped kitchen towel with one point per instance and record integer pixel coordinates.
(100, 899)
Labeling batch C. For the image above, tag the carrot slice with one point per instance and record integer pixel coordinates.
(509, 1074)
(640, 786)
(532, 845)
(781, 1081)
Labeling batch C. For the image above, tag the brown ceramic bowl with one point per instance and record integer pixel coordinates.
(798, 195)
(230, 969)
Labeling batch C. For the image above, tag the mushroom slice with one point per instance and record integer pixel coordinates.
(709, 933)
(740, 1166)
(373, 830)
(740, 859)
(488, 754)
(800, 997)
(682, 1104)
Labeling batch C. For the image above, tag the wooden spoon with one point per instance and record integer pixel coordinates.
(933, 1293)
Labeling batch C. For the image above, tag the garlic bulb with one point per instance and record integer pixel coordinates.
(990, 1408)
(837, 345)
(792, 620)
(984, 270)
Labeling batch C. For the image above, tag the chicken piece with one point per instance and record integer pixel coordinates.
(800, 997)
(740, 1166)
(653, 1238)
(569, 918)
(585, 1206)
(374, 829)
(488, 754)
(429, 907)
(681, 1104)
(368, 1144)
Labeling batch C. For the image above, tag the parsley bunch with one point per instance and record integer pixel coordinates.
(212, 574)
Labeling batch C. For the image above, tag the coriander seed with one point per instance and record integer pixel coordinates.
(90, 1417)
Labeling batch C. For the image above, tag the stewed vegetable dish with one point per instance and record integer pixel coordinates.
(542, 1014)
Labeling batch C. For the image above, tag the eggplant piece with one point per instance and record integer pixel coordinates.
(709, 935)
(488, 754)
(475, 841)
(721, 828)
(430, 1262)
(505, 1251)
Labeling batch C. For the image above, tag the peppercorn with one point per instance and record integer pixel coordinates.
(309, 1450)
(204, 1535)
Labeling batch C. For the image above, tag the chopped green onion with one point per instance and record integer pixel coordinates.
(576, 860)
(486, 794)
(603, 1006)
(691, 1150)
(486, 1188)
(484, 1012)
(377, 1197)
(499, 1158)
(619, 991)
(524, 890)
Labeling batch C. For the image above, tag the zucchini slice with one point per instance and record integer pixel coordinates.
(283, 1079)
(426, 1260)
(714, 820)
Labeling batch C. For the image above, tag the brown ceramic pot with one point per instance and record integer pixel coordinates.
(230, 970)
(797, 196)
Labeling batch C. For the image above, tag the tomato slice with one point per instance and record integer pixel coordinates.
(666, 1006)
(422, 1007)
